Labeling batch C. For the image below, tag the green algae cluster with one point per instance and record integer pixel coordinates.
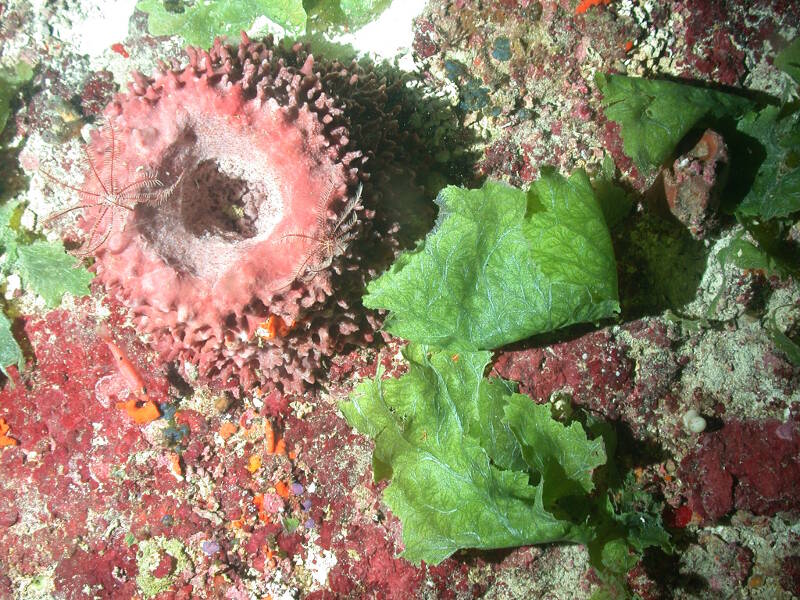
(149, 555)
(200, 22)
(11, 80)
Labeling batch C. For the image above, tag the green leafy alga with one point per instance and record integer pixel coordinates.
(654, 115)
(200, 22)
(776, 189)
(10, 352)
(47, 270)
(614, 201)
(746, 255)
(351, 14)
(473, 464)
(457, 448)
(788, 60)
(11, 80)
(43, 267)
(501, 265)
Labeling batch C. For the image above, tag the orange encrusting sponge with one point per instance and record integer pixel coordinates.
(5, 439)
(585, 5)
(141, 411)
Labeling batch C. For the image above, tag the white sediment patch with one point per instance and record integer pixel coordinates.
(390, 35)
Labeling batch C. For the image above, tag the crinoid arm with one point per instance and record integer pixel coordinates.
(301, 273)
(323, 202)
(331, 244)
(57, 215)
(117, 188)
(67, 186)
(88, 247)
(350, 212)
(92, 167)
(161, 195)
(145, 183)
(298, 235)
(110, 153)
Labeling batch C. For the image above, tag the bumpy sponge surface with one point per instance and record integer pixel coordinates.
(234, 268)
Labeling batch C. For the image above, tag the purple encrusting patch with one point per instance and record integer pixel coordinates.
(210, 547)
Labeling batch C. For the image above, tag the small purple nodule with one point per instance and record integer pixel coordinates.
(784, 431)
(210, 547)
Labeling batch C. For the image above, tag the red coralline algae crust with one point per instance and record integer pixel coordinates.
(262, 185)
(58, 487)
(601, 372)
(720, 34)
(750, 465)
(86, 487)
(362, 537)
(593, 369)
(790, 575)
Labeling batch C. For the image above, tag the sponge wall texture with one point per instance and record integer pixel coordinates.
(247, 268)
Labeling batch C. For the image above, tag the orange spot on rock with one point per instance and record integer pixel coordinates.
(227, 429)
(254, 464)
(282, 489)
(5, 439)
(120, 49)
(258, 502)
(585, 5)
(269, 437)
(175, 464)
(142, 412)
(274, 327)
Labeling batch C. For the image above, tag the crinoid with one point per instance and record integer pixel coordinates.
(107, 192)
(333, 240)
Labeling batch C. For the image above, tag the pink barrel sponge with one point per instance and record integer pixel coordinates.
(231, 259)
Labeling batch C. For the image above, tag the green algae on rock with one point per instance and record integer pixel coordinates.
(501, 265)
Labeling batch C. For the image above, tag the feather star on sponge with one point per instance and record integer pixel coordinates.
(231, 254)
